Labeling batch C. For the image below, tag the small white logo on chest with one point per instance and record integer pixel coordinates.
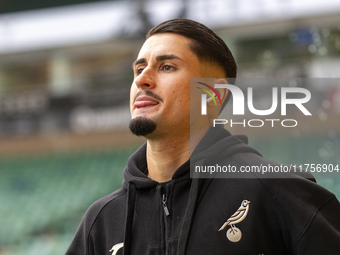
(116, 248)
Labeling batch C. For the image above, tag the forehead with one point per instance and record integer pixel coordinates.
(166, 43)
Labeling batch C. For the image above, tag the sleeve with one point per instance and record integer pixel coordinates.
(322, 234)
(81, 242)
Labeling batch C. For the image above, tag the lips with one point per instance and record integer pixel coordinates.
(144, 101)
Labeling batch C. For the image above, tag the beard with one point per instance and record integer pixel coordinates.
(142, 126)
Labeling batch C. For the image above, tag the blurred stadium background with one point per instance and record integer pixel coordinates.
(65, 74)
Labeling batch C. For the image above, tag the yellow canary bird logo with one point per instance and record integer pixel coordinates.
(234, 234)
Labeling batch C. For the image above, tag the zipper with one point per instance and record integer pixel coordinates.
(166, 215)
(165, 206)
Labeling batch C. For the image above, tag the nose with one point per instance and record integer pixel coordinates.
(145, 80)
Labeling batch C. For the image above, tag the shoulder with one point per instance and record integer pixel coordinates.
(293, 191)
(116, 197)
(112, 203)
(283, 181)
(95, 221)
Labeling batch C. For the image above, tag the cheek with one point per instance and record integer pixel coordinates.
(133, 92)
(182, 100)
(182, 95)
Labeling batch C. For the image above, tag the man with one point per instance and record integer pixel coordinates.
(160, 209)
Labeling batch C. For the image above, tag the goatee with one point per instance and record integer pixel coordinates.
(142, 126)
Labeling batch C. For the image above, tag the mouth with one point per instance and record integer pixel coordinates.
(144, 101)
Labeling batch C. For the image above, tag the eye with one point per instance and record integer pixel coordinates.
(139, 70)
(167, 68)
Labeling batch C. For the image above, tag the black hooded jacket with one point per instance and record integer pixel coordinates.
(260, 214)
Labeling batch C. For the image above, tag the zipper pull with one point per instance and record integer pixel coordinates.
(165, 207)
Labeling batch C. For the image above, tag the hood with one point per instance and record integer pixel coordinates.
(216, 144)
(136, 169)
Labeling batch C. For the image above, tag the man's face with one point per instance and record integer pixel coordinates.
(161, 88)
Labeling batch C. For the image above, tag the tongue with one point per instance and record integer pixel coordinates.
(139, 104)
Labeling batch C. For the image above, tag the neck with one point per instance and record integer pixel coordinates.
(164, 156)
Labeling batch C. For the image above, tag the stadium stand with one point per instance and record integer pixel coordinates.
(305, 150)
(44, 197)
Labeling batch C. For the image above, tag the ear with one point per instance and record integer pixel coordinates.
(220, 98)
(223, 92)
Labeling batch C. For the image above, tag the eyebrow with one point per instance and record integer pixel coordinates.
(158, 58)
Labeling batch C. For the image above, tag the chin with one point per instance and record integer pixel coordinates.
(142, 126)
